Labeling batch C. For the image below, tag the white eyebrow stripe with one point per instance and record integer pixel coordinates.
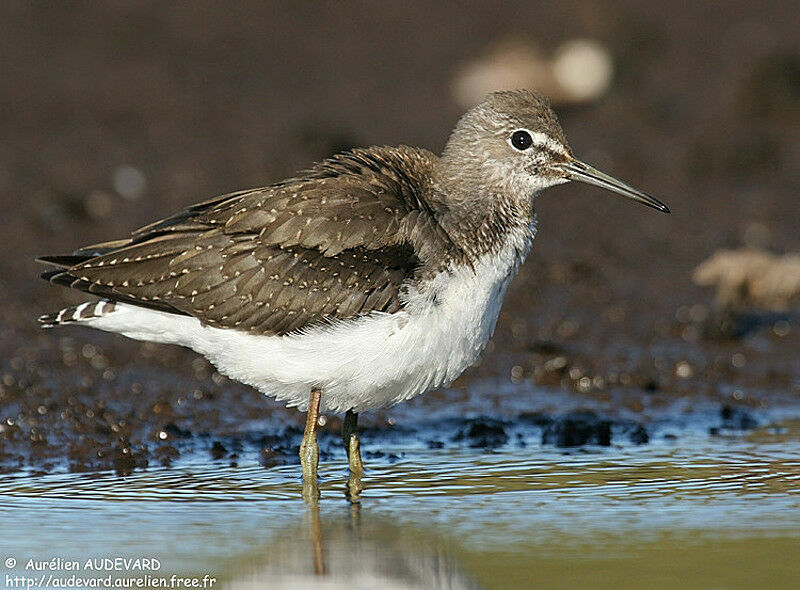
(542, 140)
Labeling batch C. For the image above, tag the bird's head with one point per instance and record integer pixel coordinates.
(513, 145)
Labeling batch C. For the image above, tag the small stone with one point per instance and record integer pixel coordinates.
(584, 69)
(129, 182)
(684, 370)
(98, 204)
(781, 328)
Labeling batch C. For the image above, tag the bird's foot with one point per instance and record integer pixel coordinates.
(353, 447)
(309, 459)
(354, 486)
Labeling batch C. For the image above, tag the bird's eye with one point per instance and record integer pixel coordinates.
(521, 140)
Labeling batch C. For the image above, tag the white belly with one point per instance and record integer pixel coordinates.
(373, 361)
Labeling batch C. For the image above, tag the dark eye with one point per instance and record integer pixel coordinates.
(521, 140)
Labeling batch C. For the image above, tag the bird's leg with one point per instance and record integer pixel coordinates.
(353, 448)
(309, 449)
(351, 443)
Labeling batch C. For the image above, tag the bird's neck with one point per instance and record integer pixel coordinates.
(480, 222)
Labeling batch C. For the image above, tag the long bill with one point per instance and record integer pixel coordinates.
(577, 170)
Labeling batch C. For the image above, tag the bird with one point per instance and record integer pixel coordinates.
(366, 280)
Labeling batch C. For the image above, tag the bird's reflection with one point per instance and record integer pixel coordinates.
(315, 527)
(338, 546)
(311, 497)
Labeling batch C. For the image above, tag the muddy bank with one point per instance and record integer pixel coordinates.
(117, 115)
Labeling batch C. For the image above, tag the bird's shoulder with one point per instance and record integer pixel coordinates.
(367, 198)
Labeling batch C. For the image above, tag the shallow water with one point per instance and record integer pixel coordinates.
(697, 512)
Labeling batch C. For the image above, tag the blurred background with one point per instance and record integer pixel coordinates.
(117, 113)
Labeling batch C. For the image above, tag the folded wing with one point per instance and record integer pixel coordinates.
(341, 241)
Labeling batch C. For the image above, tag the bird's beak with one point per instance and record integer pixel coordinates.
(577, 170)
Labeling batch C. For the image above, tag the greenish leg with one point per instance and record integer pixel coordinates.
(353, 447)
(309, 449)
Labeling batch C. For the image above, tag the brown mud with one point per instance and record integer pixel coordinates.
(603, 340)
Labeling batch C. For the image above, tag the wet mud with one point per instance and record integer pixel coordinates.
(120, 114)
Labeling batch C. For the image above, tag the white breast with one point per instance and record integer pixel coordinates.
(374, 361)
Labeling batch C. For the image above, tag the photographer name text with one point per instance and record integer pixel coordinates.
(95, 564)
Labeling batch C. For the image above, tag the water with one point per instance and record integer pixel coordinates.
(697, 512)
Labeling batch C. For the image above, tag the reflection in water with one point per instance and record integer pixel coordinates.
(316, 539)
(340, 550)
(721, 511)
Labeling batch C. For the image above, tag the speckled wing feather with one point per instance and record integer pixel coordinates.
(340, 241)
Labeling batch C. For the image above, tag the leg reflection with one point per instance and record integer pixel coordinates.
(316, 538)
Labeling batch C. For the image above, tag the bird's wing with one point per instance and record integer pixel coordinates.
(338, 242)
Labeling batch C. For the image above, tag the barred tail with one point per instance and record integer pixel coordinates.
(78, 313)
